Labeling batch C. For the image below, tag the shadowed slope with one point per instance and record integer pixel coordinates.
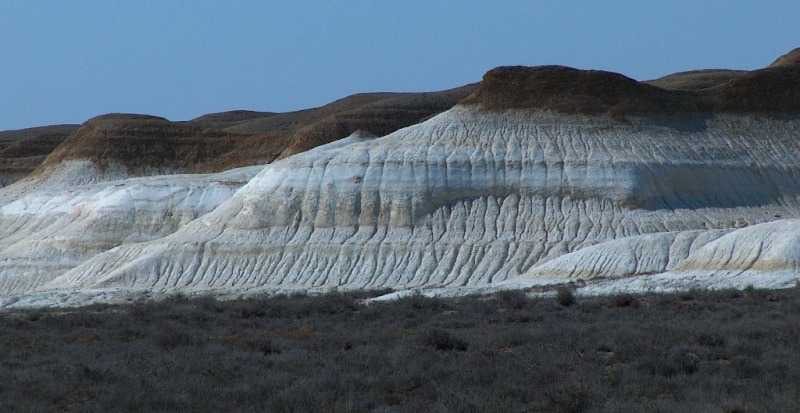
(21, 151)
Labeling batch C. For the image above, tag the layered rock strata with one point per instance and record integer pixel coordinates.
(543, 175)
(22, 151)
(474, 197)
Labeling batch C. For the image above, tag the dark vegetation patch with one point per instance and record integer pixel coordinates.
(697, 351)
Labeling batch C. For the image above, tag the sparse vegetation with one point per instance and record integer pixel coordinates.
(564, 296)
(698, 351)
(443, 340)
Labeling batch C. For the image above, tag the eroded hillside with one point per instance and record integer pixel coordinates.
(542, 176)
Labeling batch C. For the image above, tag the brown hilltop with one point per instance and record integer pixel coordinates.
(215, 142)
(145, 144)
(775, 89)
(568, 90)
(695, 79)
(21, 151)
(770, 90)
(219, 141)
(230, 117)
(791, 59)
(379, 113)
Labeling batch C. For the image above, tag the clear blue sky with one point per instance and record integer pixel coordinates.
(66, 61)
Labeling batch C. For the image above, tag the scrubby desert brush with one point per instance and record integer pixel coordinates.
(565, 296)
(701, 351)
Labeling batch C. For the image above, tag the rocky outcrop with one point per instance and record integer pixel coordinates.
(116, 146)
(543, 175)
(567, 90)
(773, 90)
(121, 145)
(470, 198)
(52, 230)
(624, 257)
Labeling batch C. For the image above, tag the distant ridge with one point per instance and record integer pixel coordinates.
(695, 79)
(21, 151)
(567, 90)
(148, 145)
(791, 59)
(775, 89)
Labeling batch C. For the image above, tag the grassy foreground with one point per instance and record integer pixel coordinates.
(730, 351)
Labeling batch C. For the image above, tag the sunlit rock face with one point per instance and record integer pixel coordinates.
(55, 224)
(121, 178)
(475, 197)
(22, 151)
(52, 230)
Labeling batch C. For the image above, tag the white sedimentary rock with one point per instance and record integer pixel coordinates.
(624, 257)
(469, 200)
(763, 256)
(51, 228)
(53, 222)
(473, 198)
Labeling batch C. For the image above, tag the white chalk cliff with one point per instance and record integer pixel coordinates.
(474, 197)
(52, 229)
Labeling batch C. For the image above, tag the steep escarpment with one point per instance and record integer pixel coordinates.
(541, 176)
(468, 198)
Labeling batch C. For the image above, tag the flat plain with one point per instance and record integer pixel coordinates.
(726, 351)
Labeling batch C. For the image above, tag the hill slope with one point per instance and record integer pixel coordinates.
(22, 151)
(543, 175)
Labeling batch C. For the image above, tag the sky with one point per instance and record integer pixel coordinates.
(66, 61)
